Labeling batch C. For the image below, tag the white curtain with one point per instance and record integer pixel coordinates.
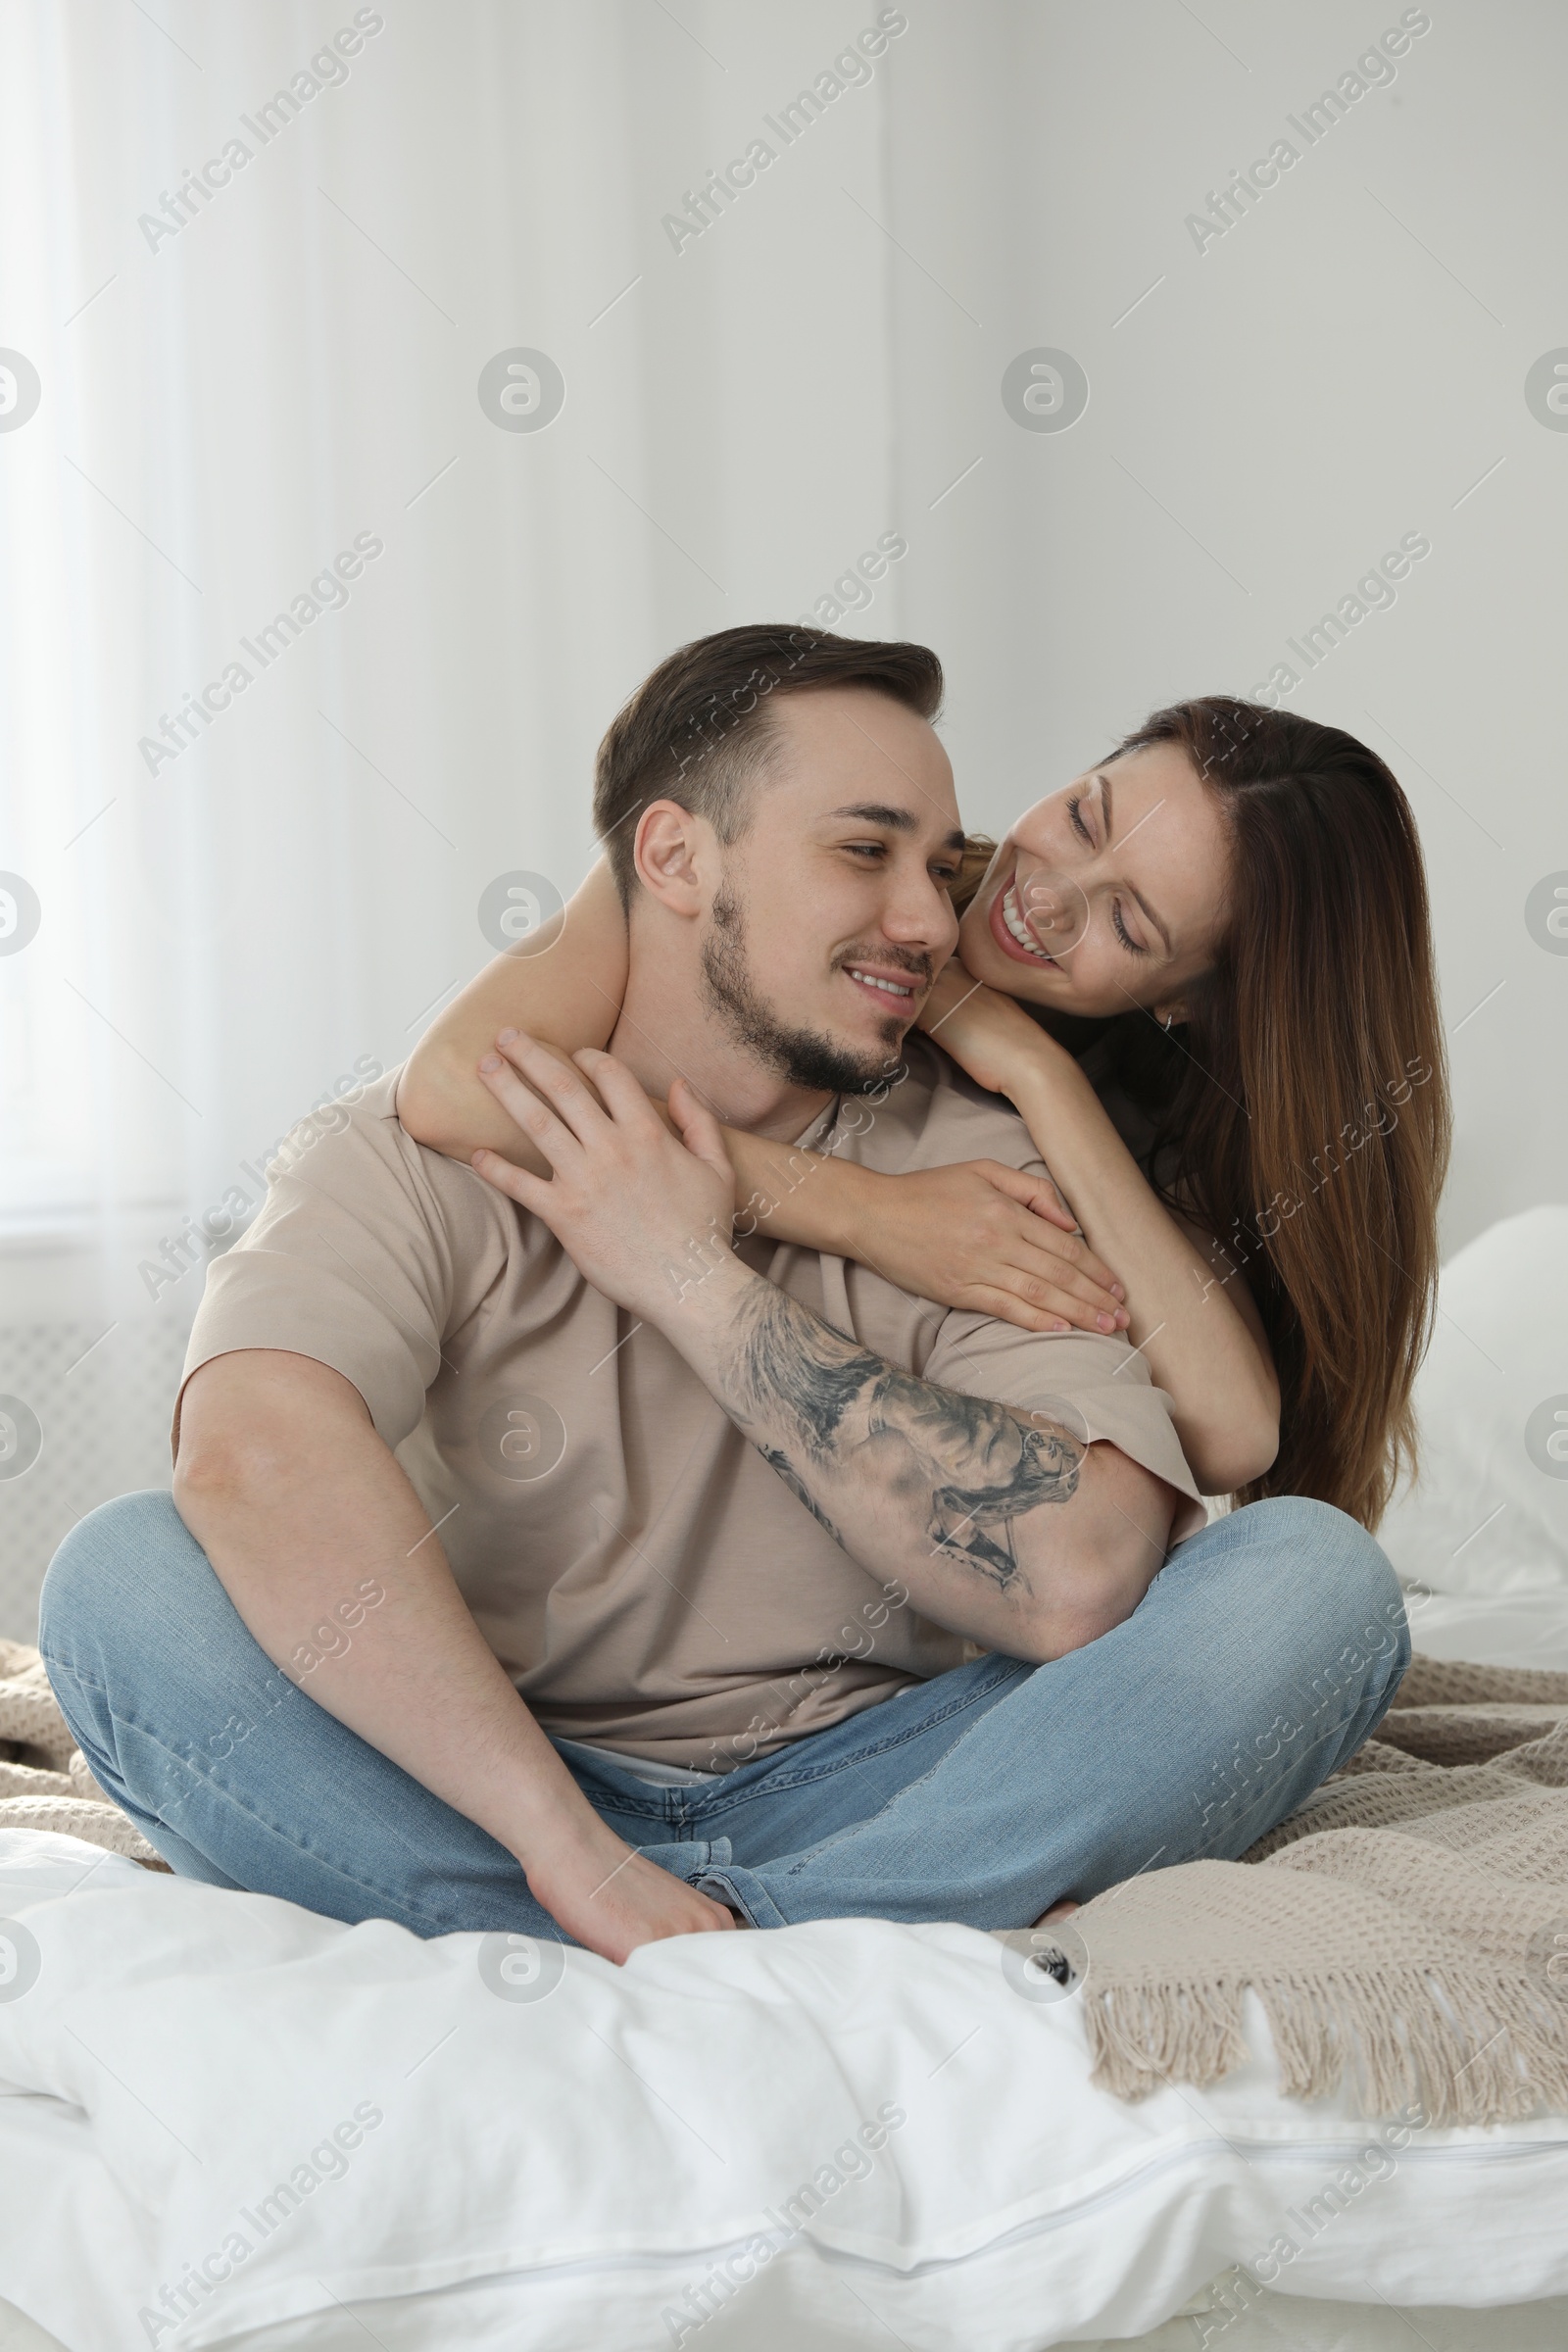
(762, 380)
(225, 929)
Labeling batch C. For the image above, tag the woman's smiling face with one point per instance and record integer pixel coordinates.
(1108, 894)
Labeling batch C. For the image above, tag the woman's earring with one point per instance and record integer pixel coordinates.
(1166, 1024)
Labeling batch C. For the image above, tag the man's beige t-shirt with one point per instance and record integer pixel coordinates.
(648, 1584)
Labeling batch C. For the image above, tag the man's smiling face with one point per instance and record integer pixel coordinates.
(832, 917)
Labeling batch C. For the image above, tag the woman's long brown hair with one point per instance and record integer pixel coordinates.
(1302, 1108)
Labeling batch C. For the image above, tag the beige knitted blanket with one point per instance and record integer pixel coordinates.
(1410, 1924)
(1408, 1927)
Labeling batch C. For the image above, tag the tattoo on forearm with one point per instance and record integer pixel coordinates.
(969, 1466)
(777, 1459)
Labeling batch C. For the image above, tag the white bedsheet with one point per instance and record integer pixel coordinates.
(558, 2172)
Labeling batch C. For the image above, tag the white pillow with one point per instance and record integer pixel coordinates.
(1488, 1629)
(1489, 1513)
(844, 2135)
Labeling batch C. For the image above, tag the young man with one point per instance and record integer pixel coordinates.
(666, 1619)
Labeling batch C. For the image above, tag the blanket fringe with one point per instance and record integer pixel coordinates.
(1490, 2049)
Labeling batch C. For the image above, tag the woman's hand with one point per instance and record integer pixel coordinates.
(988, 1034)
(987, 1238)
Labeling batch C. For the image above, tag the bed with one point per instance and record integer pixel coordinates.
(224, 2122)
(230, 2123)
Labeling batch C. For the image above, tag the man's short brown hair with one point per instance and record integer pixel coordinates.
(699, 730)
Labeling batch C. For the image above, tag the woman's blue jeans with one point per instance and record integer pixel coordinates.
(1264, 1653)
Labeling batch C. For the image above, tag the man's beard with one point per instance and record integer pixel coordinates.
(806, 1057)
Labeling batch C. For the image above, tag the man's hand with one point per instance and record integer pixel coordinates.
(642, 1213)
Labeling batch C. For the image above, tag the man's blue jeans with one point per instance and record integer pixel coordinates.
(1264, 1653)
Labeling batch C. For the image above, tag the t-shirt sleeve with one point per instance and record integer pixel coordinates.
(350, 1261)
(1093, 1383)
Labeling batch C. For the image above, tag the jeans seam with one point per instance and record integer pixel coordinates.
(724, 1875)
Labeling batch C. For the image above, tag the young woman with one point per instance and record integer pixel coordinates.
(1231, 1060)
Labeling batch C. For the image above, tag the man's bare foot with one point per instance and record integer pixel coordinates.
(1059, 1911)
(1048, 1919)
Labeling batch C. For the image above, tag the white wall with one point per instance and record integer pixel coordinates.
(294, 366)
(1339, 369)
